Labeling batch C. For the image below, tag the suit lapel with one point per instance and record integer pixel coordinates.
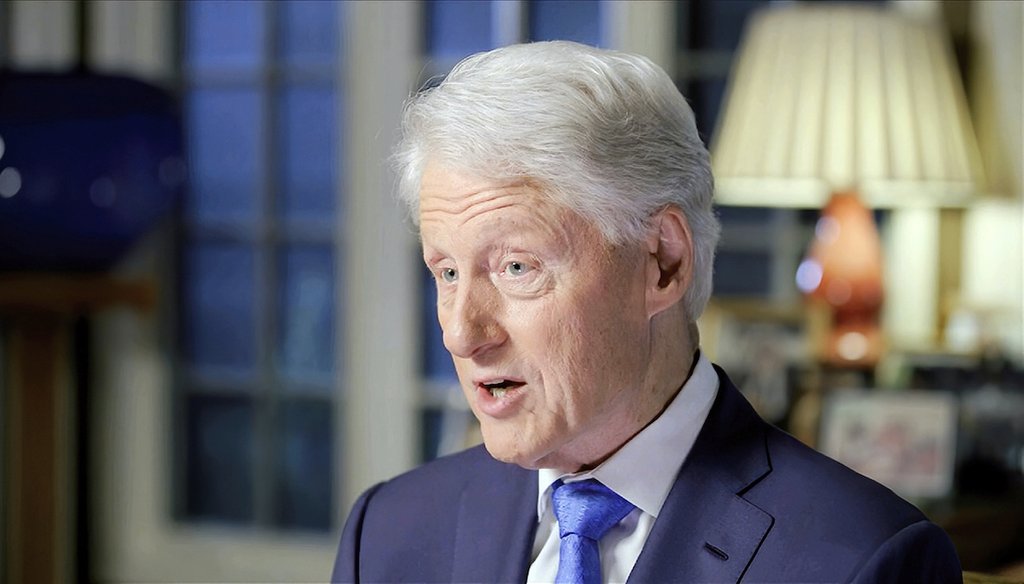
(707, 531)
(496, 525)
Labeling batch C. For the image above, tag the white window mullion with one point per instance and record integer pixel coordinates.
(43, 35)
(380, 275)
(646, 28)
(142, 26)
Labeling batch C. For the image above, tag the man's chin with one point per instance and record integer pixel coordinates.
(502, 451)
(530, 460)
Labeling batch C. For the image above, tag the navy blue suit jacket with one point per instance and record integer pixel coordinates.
(750, 503)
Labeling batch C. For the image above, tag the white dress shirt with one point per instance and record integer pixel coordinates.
(642, 472)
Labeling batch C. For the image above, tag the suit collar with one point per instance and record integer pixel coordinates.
(644, 469)
(707, 531)
(496, 524)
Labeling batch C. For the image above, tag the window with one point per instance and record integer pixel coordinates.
(260, 293)
(571, 20)
(454, 29)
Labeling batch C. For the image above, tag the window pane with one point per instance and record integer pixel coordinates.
(743, 273)
(437, 361)
(457, 28)
(226, 133)
(225, 34)
(719, 25)
(309, 33)
(220, 305)
(706, 100)
(570, 20)
(307, 149)
(743, 216)
(306, 342)
(305, 455)
(219, 458)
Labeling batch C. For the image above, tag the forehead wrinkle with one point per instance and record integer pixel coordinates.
(464, 215)
(526, 219)
(464, 207)
(454, 207)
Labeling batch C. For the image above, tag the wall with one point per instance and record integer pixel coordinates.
(993, 245)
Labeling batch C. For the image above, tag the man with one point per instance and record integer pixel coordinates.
(564, 202)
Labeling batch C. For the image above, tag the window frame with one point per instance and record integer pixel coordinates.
(267, 389)
(376, 341)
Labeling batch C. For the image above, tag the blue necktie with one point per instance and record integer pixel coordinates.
(585, 510)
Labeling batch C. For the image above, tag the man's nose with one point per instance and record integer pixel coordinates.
(471, 326)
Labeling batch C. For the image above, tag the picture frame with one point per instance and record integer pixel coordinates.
(761, 345)
(905, 440)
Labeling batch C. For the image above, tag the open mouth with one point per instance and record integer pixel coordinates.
(499, 387)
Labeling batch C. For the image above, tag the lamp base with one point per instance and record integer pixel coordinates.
(858, 345)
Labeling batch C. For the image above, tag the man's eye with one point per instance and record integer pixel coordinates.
(516, 268)
(449, 275)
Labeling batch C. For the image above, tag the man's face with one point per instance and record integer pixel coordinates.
(545, 320)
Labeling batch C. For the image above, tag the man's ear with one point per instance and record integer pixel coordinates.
(669, 259)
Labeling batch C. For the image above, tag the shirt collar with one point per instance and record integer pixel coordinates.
(644, 469)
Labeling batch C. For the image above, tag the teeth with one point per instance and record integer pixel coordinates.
(499, 392)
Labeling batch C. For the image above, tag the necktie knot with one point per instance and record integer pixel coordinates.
(585, 510)
(588, 508)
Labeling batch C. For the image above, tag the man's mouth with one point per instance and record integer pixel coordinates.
(499, 387)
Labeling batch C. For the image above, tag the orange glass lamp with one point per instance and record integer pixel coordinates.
(844, 270)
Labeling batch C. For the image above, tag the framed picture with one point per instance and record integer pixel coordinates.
(905, 440)
(759, 345)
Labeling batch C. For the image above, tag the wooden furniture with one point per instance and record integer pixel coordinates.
(39, 421)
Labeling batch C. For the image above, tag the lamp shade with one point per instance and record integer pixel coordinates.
(832, 97)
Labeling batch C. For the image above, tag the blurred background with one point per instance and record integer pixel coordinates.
(216, 331)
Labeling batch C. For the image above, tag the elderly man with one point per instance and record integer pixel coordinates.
(564, 202)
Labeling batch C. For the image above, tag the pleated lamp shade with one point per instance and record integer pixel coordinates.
(832, 97)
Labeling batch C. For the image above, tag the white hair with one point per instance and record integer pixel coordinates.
(603, 133)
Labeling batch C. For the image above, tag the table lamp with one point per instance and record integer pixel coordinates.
(847, 108)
